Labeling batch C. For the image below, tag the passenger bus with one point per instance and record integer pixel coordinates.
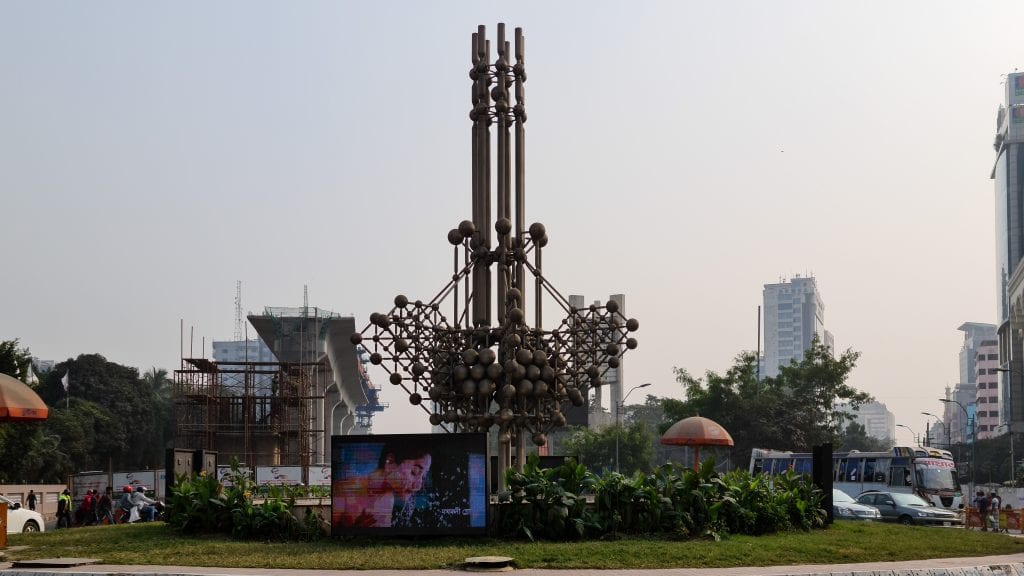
(928, 472)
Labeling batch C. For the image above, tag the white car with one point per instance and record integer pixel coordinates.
(22, 519)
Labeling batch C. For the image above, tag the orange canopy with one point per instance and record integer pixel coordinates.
(696, 431)
(19, 402)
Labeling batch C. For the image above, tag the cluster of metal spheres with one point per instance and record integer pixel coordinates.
(511, 376)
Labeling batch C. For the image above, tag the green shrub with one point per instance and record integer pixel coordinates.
(546, 503)
(672, 500)
(201, 504)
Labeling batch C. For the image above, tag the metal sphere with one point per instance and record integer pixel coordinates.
(470, 356)
(524, 388)
(503, 226)
(507, 391)
(543, 241)
(524, 356)
(435, 419)
(540, 388)
(504, 438)
(373, 317)
(515, 315)
(467, 228)
(356, 339)
(547, 374)
(533, 372)
(395, 378)
(401, 345)
(376, 359)
(631, 343)
(539, 439)
(611, 349)
(593, 371)
(434, 393)
(485, 387)
(494, 371)
(575, 397)
(505, 416)
(514, 295)
(558, 419)
(469, 387)
(454, 237)
(415, 399)
(613, 362)
(418, 369)
(477, 371)
(540, 358)
(537, 231)
(460, 373)
(401, 301)
(487, 356)
(612, 306)
(632, 325)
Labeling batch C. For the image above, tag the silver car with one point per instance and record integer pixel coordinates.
(908, 509)
(846, 508)
(22, 519)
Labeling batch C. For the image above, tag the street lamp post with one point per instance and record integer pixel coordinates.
(1009, 421)
(949, 441)
(912, 433)
(962, 438)
(618, 420)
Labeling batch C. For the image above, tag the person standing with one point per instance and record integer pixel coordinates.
(994, 503)
(31, 500)
(104, 508)
(64, 509)
(981, 503)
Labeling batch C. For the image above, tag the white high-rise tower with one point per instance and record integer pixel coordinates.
(793, 314)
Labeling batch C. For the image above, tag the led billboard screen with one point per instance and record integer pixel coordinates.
(406, 484)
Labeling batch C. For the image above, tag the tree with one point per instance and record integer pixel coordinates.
(855, 437)
(14, 361)
(796, 410)
(596, 450)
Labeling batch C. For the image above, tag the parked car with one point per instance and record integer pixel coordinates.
(22, 519)
(908, 509)
(845, 507)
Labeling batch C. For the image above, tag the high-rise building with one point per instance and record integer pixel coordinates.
(877, 420)
(793, 314)
(1008, 176)
(960, 412)
(979, 361)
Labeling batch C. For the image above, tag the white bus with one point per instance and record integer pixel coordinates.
(928, 472)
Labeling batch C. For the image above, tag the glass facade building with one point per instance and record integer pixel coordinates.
(1008, 178)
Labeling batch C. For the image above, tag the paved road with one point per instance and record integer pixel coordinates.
(1009, 565)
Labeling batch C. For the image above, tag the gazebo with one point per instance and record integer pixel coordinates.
(696, 431)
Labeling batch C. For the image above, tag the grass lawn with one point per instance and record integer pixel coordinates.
(844, 542)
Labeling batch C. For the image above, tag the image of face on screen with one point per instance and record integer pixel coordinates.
(383, 497)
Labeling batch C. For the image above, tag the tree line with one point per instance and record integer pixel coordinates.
(111, 417)
(795, 410)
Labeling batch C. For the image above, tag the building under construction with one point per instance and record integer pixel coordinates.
(279, 412)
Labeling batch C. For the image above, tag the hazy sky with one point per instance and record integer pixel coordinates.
(681, 153)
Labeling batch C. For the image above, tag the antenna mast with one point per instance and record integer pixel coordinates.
(239, 322)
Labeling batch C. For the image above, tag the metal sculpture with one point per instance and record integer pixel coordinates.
(487, 366)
